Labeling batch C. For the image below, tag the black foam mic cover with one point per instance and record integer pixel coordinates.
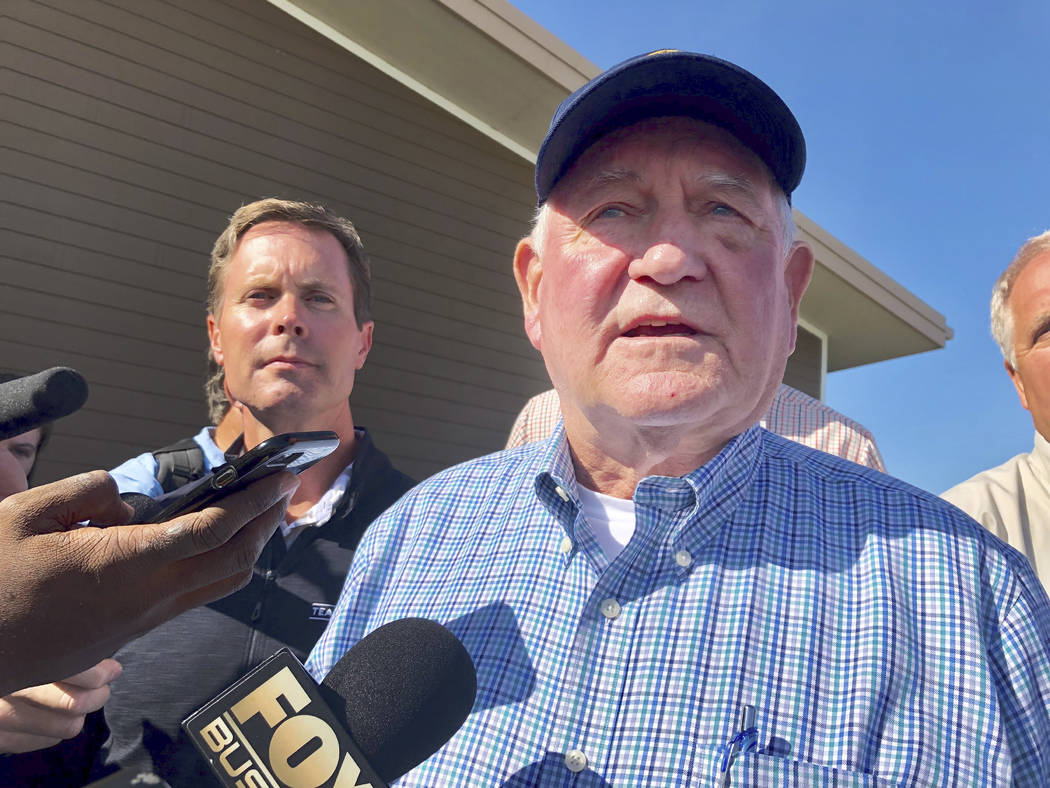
(27, 403)
(143, 506)
(402, 691)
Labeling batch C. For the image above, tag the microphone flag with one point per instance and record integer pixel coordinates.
(272, 729)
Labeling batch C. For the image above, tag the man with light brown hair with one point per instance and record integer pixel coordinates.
(1013, 500)
(289, 324)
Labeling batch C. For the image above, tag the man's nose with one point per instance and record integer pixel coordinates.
(672, 252)
(289, 317)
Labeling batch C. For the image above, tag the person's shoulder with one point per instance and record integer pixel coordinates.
(985, 484)
(205, 440)
(850, 481)
(536, 420)
(484, 483)
(137, 475)
(817, 413)
(890, 505)
(484, 473)
(832, 467)
(453, 507)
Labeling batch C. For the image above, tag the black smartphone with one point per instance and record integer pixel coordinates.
(292, 451)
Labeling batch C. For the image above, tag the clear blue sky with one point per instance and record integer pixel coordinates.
(928, 131)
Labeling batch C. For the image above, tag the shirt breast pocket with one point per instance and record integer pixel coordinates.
(756, 769)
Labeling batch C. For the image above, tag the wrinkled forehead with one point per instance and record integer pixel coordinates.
(1030, 292)
(281, 228)
(629, 149)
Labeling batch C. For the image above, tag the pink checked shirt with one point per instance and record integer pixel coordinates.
(793, 414)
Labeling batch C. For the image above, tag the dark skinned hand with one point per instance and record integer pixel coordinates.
(71, 595)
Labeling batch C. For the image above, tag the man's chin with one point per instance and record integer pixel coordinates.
(287, 401)
(667, 399)
(668, 403)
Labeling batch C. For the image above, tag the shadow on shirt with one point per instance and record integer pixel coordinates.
(511, 677)
(552, 771)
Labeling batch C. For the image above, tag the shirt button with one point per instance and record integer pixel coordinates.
(610, 608)
(561, 493)
(576, 760)
(566, 545)
(683, 558)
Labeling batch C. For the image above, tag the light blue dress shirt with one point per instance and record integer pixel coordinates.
(881, 636)
(139, 474)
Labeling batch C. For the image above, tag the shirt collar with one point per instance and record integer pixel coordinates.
(707, 496)
(321, 512)
(1041, 451)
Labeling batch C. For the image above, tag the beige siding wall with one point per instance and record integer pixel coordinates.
(804, 366)
(130, 130)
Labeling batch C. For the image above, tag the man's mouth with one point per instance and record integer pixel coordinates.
(294, 361)
(660, 328)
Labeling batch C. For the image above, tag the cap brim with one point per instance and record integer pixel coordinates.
(679, 84)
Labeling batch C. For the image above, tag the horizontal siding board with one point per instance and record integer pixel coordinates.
(133, 158)
(238, 167)
(510, 342)
(169, 218)
(25, 355)
(261, 71)
(56, 218)
(67, 269)
(482, 415)
(483, 381)
(61, 138)
(29, 292)
(170, 242)
(266, 37)
(35, 168)
(441, 348)
(191, 83)
(804, 365)
(425, 387)
(81, 339)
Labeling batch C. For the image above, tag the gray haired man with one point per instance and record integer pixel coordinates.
(1013, 500)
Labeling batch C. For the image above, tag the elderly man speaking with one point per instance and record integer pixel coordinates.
(664, 593)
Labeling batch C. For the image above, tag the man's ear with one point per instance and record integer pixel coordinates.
(1018, 384)
(215, 340)
(797, 272)
(528, 271)
(366, 343)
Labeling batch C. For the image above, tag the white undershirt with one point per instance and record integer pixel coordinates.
(611, 520)
(321, 512)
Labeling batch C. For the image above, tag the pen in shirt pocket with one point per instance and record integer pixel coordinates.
(744, 740)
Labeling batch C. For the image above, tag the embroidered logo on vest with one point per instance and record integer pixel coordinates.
(321, 611)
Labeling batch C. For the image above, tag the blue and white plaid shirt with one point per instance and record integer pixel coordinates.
(881, 636)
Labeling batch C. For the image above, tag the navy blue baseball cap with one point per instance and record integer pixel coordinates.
(671, 82)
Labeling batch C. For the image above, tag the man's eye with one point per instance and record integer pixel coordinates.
(257, 295)
(321, 298)
(721, 209)
(611, 212)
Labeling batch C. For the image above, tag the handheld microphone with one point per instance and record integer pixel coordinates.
(26, 403)
(385, 707)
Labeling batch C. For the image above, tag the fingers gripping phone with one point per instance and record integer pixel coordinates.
(292, 451)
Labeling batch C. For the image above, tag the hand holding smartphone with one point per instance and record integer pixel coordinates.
(292, 451)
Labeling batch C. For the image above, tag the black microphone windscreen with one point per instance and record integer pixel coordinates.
(402, 692)
(143, 506)
(27, 403)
